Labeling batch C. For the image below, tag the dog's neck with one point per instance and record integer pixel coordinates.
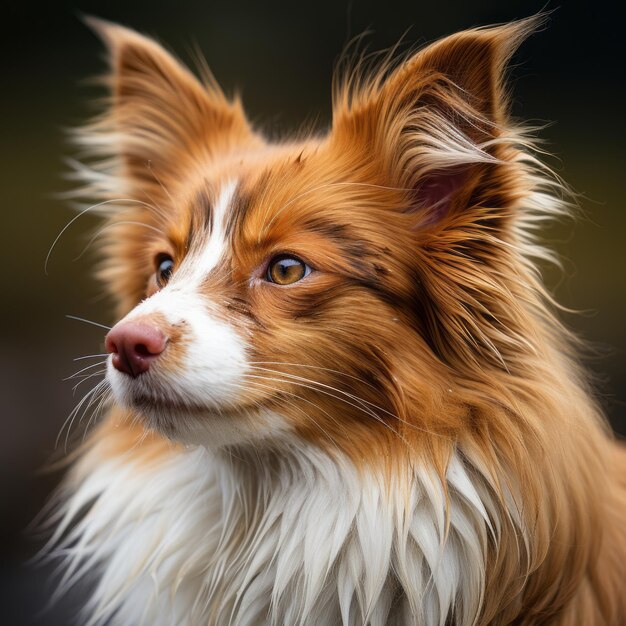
(286, 532)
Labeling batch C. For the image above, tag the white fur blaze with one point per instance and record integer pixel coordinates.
(215, 248)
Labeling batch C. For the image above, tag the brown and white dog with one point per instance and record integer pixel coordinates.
(340, 392)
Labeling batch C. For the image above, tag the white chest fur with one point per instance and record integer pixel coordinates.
(268, 538)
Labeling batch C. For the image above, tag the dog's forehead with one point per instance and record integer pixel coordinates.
(253, 192)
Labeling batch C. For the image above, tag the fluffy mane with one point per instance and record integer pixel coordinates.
(429, 451)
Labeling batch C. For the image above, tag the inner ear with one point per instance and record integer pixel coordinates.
(436, 196)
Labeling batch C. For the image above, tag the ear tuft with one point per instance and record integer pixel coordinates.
(133, 56)
(104, 29)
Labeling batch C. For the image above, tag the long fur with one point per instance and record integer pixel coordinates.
(408, 438)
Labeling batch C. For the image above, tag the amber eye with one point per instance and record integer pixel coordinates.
(285, 270)
(165, 267)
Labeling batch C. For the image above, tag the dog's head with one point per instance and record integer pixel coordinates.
(341, 287)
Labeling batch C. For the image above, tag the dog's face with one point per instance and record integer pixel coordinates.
(298, 287)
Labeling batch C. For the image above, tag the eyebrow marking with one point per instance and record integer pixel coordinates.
(203, 202)
(238, 208)
(201, 217)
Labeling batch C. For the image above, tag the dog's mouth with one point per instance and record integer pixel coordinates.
(172, 416)
(166, 405)
(149, 404)
(184, 421)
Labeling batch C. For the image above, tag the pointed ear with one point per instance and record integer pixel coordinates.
(161, 117)
(472, 63)
(434, 122)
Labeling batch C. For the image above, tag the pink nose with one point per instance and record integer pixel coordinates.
(134, 346)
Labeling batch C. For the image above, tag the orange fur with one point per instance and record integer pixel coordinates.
(416, 210)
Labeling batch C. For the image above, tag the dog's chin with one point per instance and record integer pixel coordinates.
(209, 428)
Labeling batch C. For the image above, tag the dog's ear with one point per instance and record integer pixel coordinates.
(435, 123)
(161, 117)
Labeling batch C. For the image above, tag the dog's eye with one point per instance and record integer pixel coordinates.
(285, 270)
(165, 267)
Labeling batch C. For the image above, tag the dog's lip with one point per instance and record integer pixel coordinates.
(148, 405)
(143, 392)
(151, 393)
(148, 401)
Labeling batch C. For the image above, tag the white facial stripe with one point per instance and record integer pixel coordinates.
(216, 245)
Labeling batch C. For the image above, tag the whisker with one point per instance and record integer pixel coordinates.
(294, 395)
(324, 385)
(337, 390)
(314, 421)
(90, 208)
(144, 435)
(94, 398)
(369, 412)
(87, 377)
(316, 367)
(75, 374)
(363, 405)
(158, 209)
(313, 387)
(104, 398)
(82, 319)
(90, 356)
(113, 225)
(149, 165)
(70, 417)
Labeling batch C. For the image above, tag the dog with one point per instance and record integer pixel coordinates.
(340, 391)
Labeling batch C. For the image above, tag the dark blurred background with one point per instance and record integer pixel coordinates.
(281, 57)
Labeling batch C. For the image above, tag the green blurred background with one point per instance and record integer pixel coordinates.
(281, 56)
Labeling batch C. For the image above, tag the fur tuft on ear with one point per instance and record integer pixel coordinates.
(435, 117)
(161, 117)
